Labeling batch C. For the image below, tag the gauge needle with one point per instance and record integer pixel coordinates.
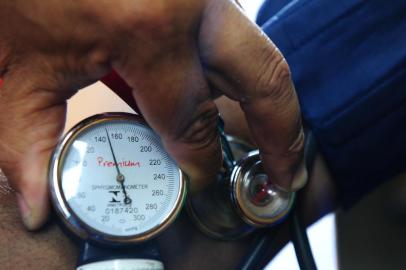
(120, 177)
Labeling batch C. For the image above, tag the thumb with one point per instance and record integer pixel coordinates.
(32, 116)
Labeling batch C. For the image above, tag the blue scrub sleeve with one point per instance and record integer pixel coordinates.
(348, 62)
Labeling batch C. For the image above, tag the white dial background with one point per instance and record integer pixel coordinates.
(90, 186)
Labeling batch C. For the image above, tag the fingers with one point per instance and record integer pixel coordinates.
(243, 63)
(31, 120)
(172, 95)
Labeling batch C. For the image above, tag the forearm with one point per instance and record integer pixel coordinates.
(20, 249)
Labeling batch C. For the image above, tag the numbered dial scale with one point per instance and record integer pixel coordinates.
(112, 181)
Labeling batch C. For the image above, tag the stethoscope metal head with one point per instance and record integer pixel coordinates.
(241, 199)
(256, 199)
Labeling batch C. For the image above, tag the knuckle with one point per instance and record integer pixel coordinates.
(153, 20)
(273, 76)
(95, 64)
(200, 132)
(297, 144)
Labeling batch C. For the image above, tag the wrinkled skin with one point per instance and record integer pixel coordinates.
(175, 54)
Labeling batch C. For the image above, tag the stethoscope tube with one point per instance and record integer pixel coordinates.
(301, 244)
(256, 258)
(298, 232)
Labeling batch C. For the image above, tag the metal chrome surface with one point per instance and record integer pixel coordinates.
(267, 214)
(224, 211)
(213, 213)
(212, 209)
(67, 215)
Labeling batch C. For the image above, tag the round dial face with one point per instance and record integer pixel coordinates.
(116, 178)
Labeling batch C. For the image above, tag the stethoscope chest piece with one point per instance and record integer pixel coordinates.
(241, 199)
(257, 201)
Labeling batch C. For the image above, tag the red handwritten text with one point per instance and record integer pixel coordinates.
(124, 163)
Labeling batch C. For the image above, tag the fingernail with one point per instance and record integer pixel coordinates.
(299, 178)
(25, 211)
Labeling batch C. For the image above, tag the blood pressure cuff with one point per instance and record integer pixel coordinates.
(348, 62)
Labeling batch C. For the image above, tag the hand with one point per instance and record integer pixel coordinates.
(175, 54)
